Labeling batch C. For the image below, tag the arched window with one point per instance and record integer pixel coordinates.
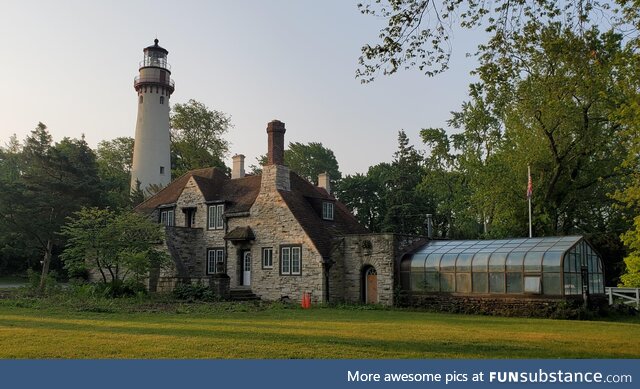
(161, 99)
(140, 99)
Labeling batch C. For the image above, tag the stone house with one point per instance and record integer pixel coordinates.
(275, 234)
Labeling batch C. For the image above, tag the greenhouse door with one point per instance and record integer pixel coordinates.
(371, 286)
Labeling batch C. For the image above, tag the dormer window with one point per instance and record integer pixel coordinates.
(214, 217)
(327, 210)
(167, 217)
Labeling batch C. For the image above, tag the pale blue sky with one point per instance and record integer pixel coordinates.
(71, 64)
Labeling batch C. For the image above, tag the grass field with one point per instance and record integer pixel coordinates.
(236, 331)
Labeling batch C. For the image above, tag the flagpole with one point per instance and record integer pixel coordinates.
(529, 196)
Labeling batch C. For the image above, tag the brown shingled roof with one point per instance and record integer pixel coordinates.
(171, 192)
(304, 200)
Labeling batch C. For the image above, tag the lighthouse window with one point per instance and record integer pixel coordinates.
(161, 169)
(140, 99)
(161, 99)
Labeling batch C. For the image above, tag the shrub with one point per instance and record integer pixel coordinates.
(50, 282)
(194, 292)
(119, 288)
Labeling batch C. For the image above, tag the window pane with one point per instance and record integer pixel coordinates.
(448, 262)
(220, 261)
(433, 262)
(514, 283)
(480, 283)
(532, 284)
(496, 282)
(515, 260)
(267, 258)
(417, 281)
(533, 261)
(463, 282)
(417, 262)
(285, 261)
(551, 261)
(551, 284)
(211, 217)
(431, 283)
(211, 263)
(219, 211)
(570, 283)
(447, 282)
(480, 262)
(295, 260)
(463, 264)
(496, 262)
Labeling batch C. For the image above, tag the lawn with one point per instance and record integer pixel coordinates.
(244, 331)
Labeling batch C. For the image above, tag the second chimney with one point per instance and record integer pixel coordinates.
(275, 151)
(324, 181)
(238, 166)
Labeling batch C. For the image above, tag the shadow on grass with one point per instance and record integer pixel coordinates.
(299, 341)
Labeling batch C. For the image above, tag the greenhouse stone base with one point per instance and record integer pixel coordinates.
(570, 307)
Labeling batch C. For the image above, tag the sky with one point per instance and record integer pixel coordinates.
(71, 64)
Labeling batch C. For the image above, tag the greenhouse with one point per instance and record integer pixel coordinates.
(550, 266)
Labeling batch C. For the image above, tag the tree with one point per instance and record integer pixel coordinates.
(114, 158)
(629, 197)
(196, 137)
(119, 246)
(405, 210)
(418, 32)
(365, 195)
(308, 160)
(311, 159)
(53, 181)
(552, 103)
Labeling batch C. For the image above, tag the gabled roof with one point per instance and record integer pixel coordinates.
(171, 193)
(304, 200)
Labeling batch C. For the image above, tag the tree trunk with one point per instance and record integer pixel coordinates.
(45, 266)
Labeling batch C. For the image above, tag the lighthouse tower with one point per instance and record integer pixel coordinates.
(151, 155)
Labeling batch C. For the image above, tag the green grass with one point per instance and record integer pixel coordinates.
(31, 330)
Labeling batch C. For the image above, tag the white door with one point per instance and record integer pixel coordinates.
(246, 268)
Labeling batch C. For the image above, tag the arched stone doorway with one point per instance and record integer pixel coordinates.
(369, 285)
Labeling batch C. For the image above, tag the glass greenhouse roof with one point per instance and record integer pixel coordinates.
(557, 244)
(549, 265)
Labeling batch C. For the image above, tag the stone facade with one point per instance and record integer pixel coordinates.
(275, 227)
(355, 253)
(275, 210)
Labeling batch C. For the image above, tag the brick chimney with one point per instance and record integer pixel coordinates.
(324, 181)
(275, 175)
(238, 166)
(275, 151)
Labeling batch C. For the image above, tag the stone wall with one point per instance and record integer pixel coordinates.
(570, 307)
(274, 225)
(355, 253)
(187, 248)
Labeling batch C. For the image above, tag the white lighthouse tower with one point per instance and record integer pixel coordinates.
(151, 154)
